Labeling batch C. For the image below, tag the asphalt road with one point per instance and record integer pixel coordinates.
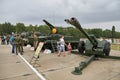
(53, 67)
(12, 67)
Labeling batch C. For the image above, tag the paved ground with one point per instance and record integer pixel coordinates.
(56, 68)
(12, 67)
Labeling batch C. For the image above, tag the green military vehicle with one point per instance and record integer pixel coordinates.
(24, 36)
(55, 36)
(51, 39)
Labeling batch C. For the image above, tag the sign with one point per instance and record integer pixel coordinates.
(36, 55)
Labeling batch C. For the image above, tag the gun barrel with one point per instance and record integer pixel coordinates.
(73, 21)
(53, 29)
(50, 25)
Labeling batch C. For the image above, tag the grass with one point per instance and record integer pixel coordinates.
(115, 47)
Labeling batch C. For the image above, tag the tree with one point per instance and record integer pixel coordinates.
(20, 27)
(29, 28)
(97, 32)
(107, 33)
(44, 29)
(6, 28)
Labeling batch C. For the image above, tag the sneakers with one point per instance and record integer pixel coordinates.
(13, 54)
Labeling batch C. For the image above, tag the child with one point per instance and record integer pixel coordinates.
(58, 48)
(69, 48)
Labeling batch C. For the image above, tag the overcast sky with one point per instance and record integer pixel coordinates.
(55, 11)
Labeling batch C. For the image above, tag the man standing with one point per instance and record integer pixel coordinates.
(21, 44)
(18, 44)
(7, 39)
(35, 41)
(12, 38)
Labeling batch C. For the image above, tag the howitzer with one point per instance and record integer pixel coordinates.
(93, 47)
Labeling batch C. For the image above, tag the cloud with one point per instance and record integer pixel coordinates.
(55, 11)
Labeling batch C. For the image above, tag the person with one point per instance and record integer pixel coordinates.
(58, 48)
(69, 48)
(7, 39)
(21, 43)
(18, 43)
(81, 46)
(35, 42)
(62, 45)
(12, 38)
(2, 40)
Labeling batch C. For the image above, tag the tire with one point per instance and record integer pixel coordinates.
(81, 47)
(106, 49)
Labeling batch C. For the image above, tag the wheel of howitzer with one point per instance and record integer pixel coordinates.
(106, 49)
(81, 47)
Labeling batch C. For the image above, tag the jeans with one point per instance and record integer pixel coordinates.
(13, 47)
(62, 48)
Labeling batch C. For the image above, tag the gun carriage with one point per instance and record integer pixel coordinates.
(92, 47)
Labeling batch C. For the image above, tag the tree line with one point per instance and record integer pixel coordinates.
(8, 28)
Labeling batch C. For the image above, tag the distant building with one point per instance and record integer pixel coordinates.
(116, 41)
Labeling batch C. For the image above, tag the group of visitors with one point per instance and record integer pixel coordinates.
(61, 46)
(4, 39)
(16, 43)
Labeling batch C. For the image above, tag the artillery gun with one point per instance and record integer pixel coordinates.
(55, 36)
(92, 47)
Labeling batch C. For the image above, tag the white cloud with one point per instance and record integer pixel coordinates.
(55, 11)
